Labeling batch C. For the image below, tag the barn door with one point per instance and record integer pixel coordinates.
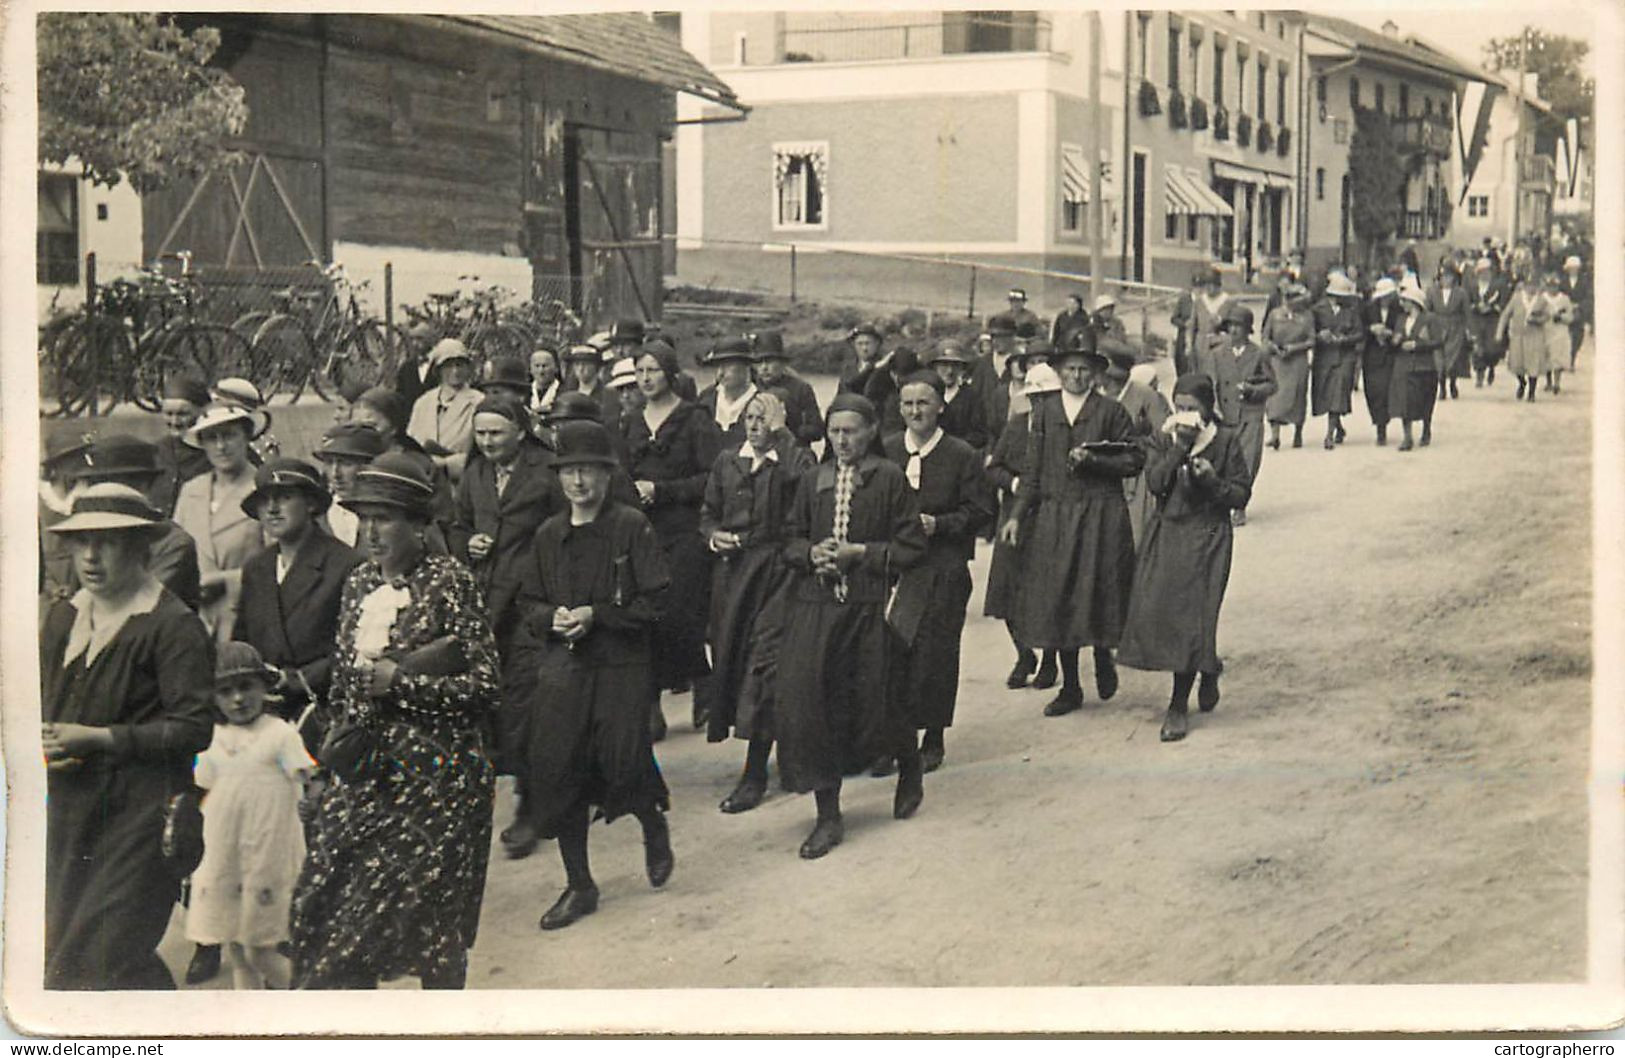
(615, 223)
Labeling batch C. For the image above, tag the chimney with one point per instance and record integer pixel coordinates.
(1390, 29)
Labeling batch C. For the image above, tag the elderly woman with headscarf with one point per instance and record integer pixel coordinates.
(127, 695)
(1289, 334)
(1199, 474)
(742, 519)
(210, 508)
(854, 526)
(504, 497)
(395, 874)
(670, 449)
(1339, 333)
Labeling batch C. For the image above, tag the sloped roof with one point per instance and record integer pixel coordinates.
(1400, 49)
(624, 43)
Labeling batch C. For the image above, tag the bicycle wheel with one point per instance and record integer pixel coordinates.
(360, 356)
(212, 349)
(284, 357)
(90, 358)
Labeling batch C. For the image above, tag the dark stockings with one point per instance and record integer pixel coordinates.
(756, 757)
(1180, 700)
(573, 850)
(829, 803)
(1069, 671)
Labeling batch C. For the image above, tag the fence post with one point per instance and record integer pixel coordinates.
(90, 310)
(1145, 325)
(792, 273)
(970, 313)
(90, 282)
(389, 309)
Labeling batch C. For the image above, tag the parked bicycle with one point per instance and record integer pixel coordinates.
(321, 337)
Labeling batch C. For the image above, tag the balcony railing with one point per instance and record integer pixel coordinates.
(1422, 133)
(872, 38)
(1539, 173)
(1423, 224)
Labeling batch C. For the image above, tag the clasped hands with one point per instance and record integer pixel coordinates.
(572, 623)
(66, 745)
(832, 557)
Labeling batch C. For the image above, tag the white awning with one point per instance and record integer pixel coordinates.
(1248, 175)
(1205, 201)
(1177, 198)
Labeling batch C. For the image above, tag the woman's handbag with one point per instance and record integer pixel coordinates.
(182, 839)
(348, 750)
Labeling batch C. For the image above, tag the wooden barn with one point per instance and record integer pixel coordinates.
(526, 151)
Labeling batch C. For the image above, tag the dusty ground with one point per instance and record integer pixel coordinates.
(1391, 791)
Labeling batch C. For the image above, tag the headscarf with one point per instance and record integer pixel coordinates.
(852, 402)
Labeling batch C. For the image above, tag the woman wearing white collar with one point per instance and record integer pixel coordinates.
(1199, 474)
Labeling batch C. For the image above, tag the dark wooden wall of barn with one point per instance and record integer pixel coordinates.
(433, 138)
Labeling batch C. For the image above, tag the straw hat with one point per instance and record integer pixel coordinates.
(1041, 378)
(107, 507)
(624, 374)
(219, 414)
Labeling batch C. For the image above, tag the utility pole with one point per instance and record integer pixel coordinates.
(1097, 141)
(1517, 144)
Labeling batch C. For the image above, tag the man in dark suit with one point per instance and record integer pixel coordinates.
(185, 395)
(802, 416)
(963, 415)
(417, 374)
(988, 375)
(290, 601)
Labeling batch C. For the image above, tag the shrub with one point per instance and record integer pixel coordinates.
(1198, 113)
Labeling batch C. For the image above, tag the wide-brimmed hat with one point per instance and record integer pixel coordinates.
(350, 440)
(395, 479)
(1120, 357)
(236, 390)
(448, 349)
(64, 450)
(624, 374)
(583, 441)
(1002, 325)
(183, 385)
(586, 352)
(1041, 378)
(1412, 293)
(237, 658)
(1384, 287)
(1571, 262)
(109, 506)
(628, 330)
(1341, 286)
(732, 349)
(1105, 301)
(219, 414)
(117, 455)
(571, 406)
(284, 473)
(769, 345)
(949, 352)
(506, 372)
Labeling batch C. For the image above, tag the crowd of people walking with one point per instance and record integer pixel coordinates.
(499, 573)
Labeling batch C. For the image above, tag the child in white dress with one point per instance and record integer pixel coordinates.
(253, 842)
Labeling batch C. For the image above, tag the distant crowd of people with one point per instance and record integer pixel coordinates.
(499, 572)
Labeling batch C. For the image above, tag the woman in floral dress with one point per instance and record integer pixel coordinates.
(395, 874)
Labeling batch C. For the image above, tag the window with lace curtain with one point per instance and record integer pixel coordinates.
(801, 185)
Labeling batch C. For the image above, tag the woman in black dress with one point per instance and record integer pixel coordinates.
(670, 449)
(854, 527)
(592, 596)
(929, 609)
(1198, 474)
(127, 696)
(747, 498)
(394, 879)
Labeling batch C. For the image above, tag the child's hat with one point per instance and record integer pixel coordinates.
(241, 659)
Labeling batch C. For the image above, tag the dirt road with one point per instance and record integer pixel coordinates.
(1391, 791)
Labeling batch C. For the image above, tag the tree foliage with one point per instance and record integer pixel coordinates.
(130, 96)
(1558, 61)
(1376, 179)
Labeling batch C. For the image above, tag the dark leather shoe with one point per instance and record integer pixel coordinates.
(1425, 440)
(1022, 672)
(931, 757)
(1330, 443)
(520, 840)
(747, 795)
(883, 767)
(205, 964)
(658, 859)
(910, 792)
(1048, 673)
(1405, 446)
(1105, 676)
(1207, 692)
(1065, 702)
(825, 836)
(572, 906)
(1174, 725)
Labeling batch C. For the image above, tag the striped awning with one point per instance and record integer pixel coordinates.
(1188, 196)
(1074, 175)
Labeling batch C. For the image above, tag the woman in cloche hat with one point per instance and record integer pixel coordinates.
(127, 680)
(396, 871)
(210, 508)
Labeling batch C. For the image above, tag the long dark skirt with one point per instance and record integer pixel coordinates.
(108, 894)
(1377, 374)
(1003, 580)
(1331, 386)
(679, 638)
(1487, 350)
(746, 611)
(1173, 618)
(1080, 568)
(837, 709)
(395, 876)
(931, 684)
(1250, 434)
(1414, 388)
(590, 740)
(517, 657)
(1290, 400)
